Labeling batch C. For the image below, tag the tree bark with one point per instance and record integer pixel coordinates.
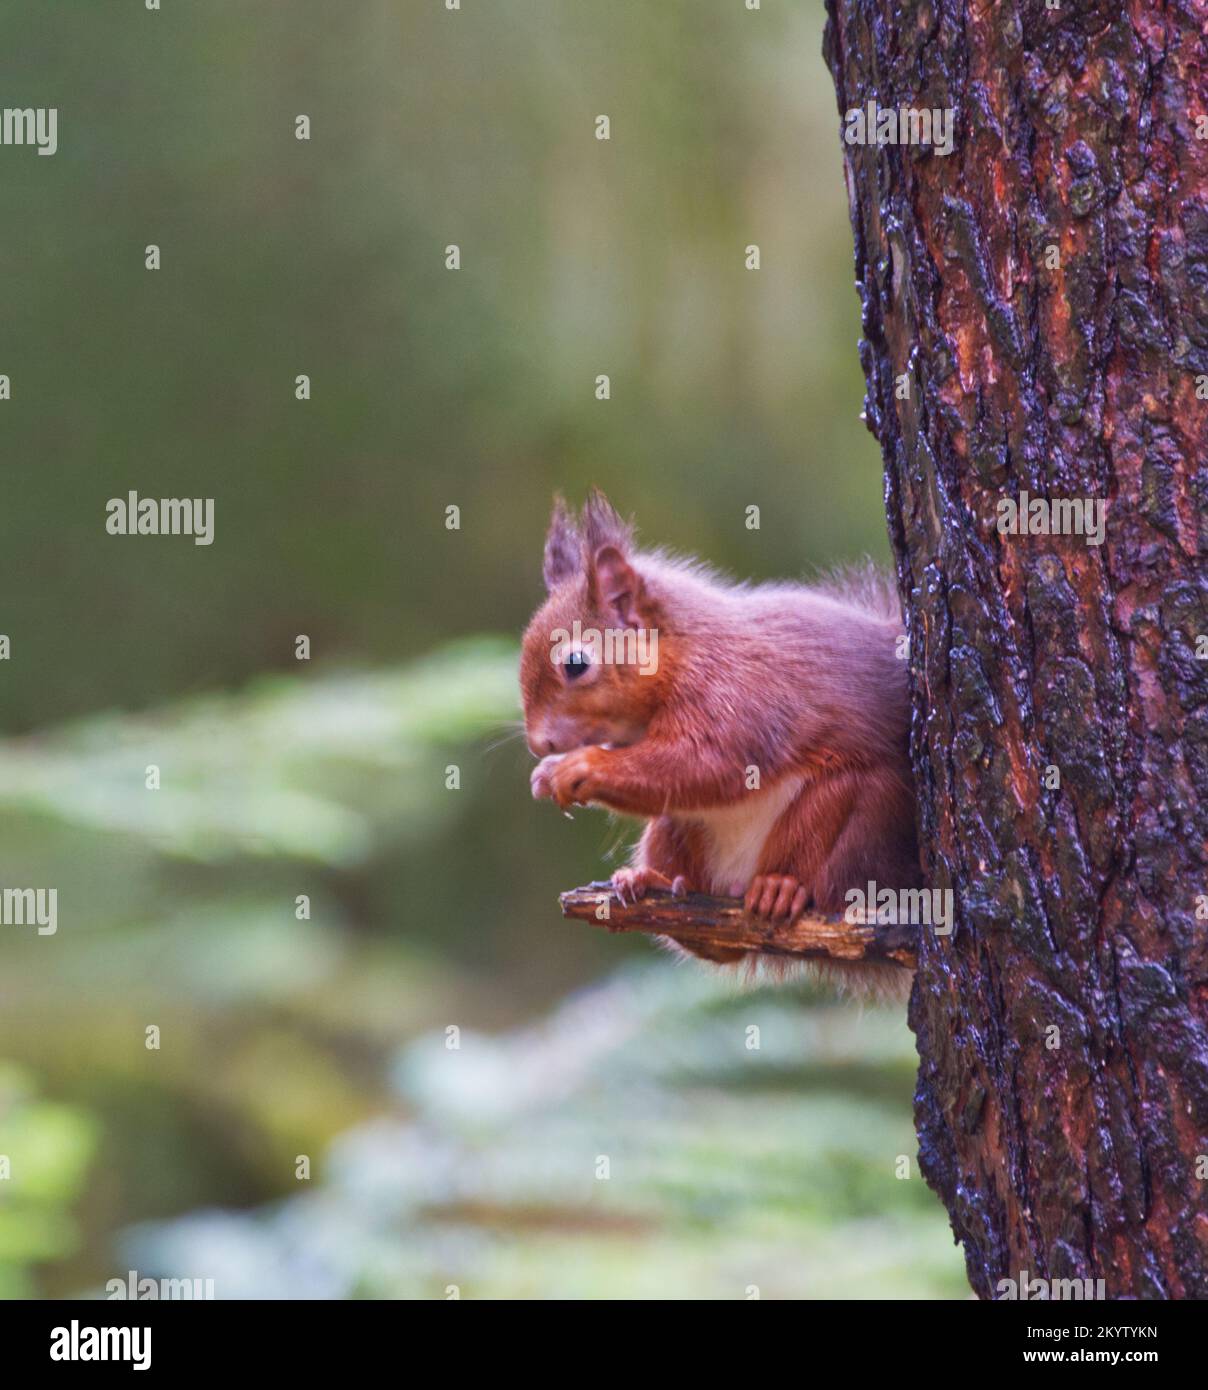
(1035, 317)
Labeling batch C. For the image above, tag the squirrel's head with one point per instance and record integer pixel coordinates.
(591, 671)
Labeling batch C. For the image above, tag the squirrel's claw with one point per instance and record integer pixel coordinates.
(630, 884)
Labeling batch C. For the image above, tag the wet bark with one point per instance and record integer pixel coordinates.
(1035, 318)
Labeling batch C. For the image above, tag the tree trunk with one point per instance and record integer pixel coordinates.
(1035, 314)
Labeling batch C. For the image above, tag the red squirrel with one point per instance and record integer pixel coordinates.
(760, 730)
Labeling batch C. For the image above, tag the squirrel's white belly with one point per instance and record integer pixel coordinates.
(735, 835)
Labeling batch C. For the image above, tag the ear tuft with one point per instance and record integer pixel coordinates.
(603, 525)
(563, 546)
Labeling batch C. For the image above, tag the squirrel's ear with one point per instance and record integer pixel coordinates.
(563, 546)
(617, 585)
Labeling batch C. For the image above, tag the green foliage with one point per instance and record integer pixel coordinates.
(177, 907)
(728, 1166)
(45, 1149)
(273, 771)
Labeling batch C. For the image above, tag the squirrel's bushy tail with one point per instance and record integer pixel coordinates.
(878, 982)
(865, 585)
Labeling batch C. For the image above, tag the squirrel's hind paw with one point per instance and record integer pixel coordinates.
(778, 897)
(630, 883)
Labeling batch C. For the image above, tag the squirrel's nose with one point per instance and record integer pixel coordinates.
(540, 744)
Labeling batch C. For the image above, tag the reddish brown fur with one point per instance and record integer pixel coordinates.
(803, 684)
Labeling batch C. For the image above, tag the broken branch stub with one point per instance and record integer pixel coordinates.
(697, 919)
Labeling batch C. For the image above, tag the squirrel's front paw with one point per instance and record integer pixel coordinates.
(541, 779)
(775, 896)
(574, 780)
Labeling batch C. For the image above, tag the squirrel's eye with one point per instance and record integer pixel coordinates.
(574, 665)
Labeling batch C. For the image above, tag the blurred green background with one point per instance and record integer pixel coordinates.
(431, 909)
